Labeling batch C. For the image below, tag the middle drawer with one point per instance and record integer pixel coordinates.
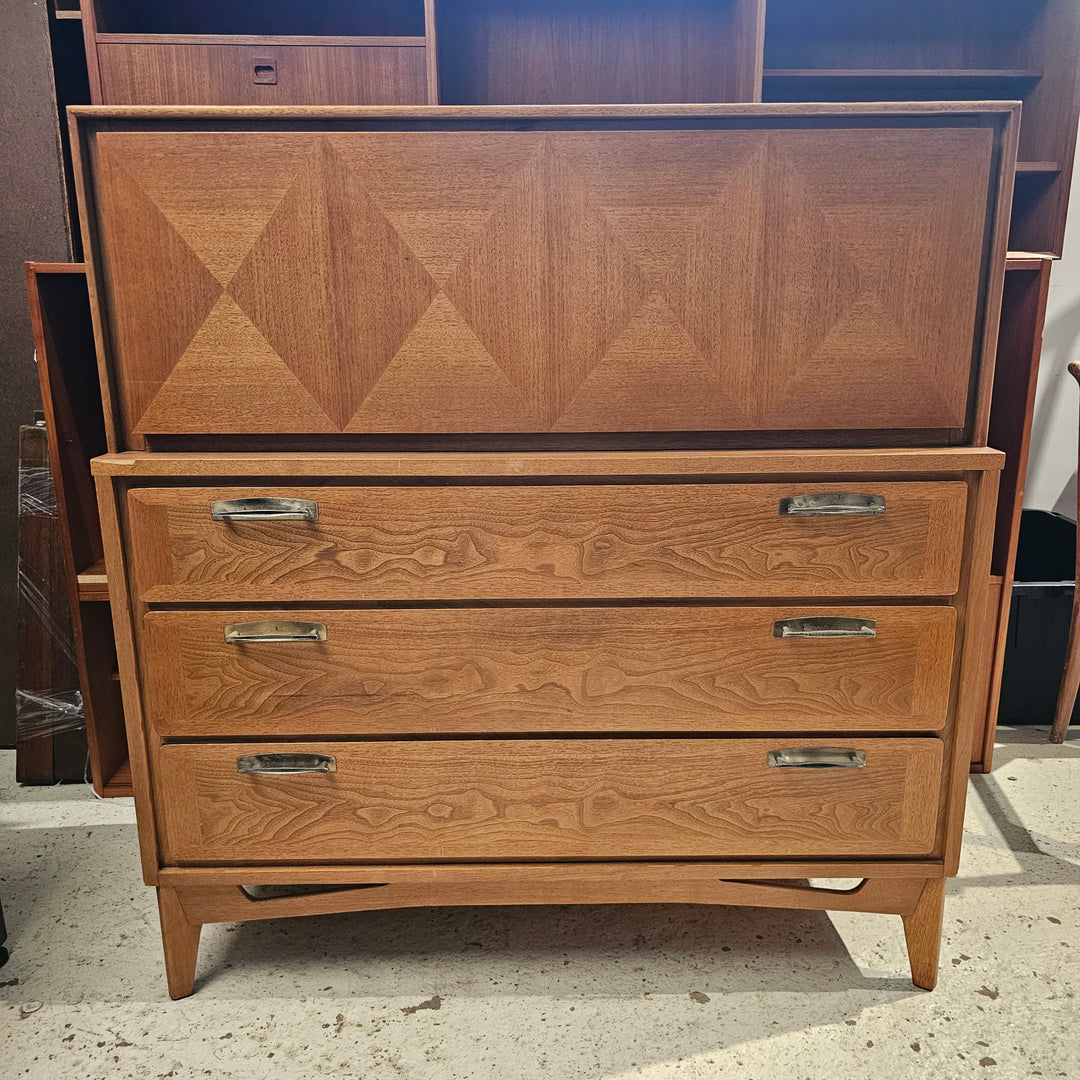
(520, 670)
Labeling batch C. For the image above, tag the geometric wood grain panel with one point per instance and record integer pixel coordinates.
(543, 281)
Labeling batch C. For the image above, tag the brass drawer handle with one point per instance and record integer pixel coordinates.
(825, 626)
(831, 503)
(285, 764)
(816, 757)
(260, 509)
(242, 632)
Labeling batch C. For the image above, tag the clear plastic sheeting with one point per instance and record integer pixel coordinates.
(44, 623)
(37, 497)
(33, 597)
(39, 714)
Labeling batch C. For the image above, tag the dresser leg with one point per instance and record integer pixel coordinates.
(922, 928)
(180, 940)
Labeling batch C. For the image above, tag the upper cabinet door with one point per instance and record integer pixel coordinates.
(767, 273)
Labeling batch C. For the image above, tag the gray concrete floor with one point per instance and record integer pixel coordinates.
(615, 992)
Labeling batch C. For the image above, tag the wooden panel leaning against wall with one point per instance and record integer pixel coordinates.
(75, 424)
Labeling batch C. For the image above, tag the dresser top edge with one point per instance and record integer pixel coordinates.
(536, 463)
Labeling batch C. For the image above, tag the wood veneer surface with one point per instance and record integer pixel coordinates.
(610, 541)
(608, 798)
(789, 279)
(522, 670)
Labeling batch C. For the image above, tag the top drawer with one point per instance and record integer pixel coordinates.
(546, 542)
(773, 270)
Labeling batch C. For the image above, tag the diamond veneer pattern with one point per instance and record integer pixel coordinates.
(748, 285)
(332, 285)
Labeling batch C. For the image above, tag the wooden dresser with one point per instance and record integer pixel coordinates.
(548, 505)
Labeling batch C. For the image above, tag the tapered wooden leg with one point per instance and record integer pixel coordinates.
(180, 940)
(922, 928)
(1070, 679)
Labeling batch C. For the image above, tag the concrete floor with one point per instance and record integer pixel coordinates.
(517, 993)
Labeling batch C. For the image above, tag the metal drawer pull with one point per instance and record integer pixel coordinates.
(825, 626)
(832, 503)
(816, 757)
(259, 509)
(242, 632)
(286, 764)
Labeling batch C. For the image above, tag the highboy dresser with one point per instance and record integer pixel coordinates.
(547, 505)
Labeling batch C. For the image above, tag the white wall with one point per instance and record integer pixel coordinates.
(1051, 481)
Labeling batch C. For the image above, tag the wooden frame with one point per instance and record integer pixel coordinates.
(1027, 282)
(75, 424)
(913, 888)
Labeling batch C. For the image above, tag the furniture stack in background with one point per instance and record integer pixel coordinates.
(498, 51)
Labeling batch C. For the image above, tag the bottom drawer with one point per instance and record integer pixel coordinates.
(547, 799)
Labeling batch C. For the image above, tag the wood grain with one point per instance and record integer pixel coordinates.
(138, 739)
(536, 878)
(573, 885)
(536, 281)
(545, 799)
(1012, 413)
(75, 426)
(148, 73)
(532, 52)
(527, 670)
(715, 464)
(922, 928)
(546, 543)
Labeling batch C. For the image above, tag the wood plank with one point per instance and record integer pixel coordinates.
(803, 464)
(992, 112)
(523, 799)
(607, 541)
(902, 73)
(93, 582)
(343, 41)
(1012, 414)
(970, 687)
(524, 671)
(127, 661)
(233, 904)
(532, 877)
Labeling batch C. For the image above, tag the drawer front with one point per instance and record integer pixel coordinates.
(522, 670)
(544, 543)
(153, 74)
(759, 274)
(560, 799)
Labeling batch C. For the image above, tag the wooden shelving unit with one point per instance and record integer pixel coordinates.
(68, 373)
(326, 52)
(601, 51)
(877, 50)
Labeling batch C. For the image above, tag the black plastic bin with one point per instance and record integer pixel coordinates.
(1042, 597)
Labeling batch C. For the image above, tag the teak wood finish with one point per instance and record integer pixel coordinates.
(526, 821)
(565, 590)
(521, 670)
(551, 799)
(586, 541)
(488, 52)
(859, 299)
